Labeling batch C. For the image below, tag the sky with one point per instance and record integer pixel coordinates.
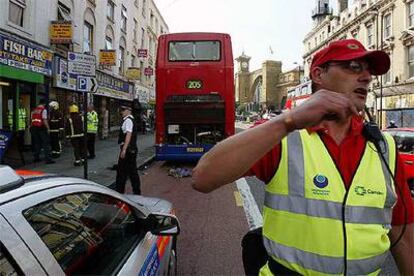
(257, 27)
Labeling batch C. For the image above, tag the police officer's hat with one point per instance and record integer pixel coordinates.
(125, 105)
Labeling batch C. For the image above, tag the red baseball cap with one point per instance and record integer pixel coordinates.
(350, 49)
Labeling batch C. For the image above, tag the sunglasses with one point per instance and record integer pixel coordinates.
(353, 66)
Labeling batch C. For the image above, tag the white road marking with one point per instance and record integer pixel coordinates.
(253, 215)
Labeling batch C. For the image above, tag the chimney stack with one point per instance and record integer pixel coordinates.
(342, 5)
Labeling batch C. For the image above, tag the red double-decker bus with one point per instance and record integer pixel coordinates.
(194, 94)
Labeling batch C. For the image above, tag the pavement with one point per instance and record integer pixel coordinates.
(99, 169)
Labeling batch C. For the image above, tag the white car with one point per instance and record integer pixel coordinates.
(51, 225)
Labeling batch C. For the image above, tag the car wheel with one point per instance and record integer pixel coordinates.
(172, 263)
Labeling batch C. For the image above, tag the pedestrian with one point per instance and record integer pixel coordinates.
(39, 128)
(56, 128)
(93, 120)
(22, 123)
(74, 132)
(329, 199)
(127, 161)
(392, 124)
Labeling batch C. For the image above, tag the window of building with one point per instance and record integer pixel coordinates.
(144, 4)
(108, 43)
(8, 265)
(87, 233)
(387, 25)
(411, 61)
(142, 38)
(87, 38)
(16, 11)
(133, 61)
(63, 12)
(110, 10)
(411, 14)
(135, 30)
(124, 19)
(387, 77)
(370, 35)
(141, 68)
(121, 58)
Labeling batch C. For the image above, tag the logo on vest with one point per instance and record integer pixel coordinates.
(321, 182)
(362, 191)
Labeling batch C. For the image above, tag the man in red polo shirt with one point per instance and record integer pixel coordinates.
(329, 193)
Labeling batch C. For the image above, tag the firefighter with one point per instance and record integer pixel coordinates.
(56, 128)
(93, 120)
(74, 132)
(22, 123)
(39, 128)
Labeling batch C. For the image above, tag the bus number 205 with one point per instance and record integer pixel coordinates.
(194, 84)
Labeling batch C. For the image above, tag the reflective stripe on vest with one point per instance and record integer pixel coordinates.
(22, 117)
(307, 209)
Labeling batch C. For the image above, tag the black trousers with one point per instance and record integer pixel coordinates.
(78, 148)
(91, 144)
(55, 143)
(127, 167)
(40, 139)
(20, 140)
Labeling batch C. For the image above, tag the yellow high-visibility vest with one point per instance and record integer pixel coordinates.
(92, 122)
(21, 118)
(313, 225)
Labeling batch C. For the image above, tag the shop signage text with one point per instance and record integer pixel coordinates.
(112, 87)
(60, 32)
(133, 73)
(148, 71)
(81, 64)
(25, 55)
(142, 53)
(107, 57)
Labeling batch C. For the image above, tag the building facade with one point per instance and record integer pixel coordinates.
(264, 88)
(379, 24)
(36, 37)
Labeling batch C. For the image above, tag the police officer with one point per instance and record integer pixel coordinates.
(93, 120)
(74, 132)
(56, 127)
(21, 123)
(127, 161)
(39, 128)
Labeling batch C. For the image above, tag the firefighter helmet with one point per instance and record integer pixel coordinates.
(54, 105)
(73, 108)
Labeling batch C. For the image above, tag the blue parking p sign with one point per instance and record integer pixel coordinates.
(86, 84)
(82, 83)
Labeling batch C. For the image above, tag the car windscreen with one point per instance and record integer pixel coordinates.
(194, 51)
(404, 140)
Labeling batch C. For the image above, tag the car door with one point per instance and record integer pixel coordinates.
(15, 257)
(82, 229)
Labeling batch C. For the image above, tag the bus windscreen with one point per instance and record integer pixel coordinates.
(194, 51)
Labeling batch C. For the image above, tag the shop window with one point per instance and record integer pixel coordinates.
(87, 38)
(16, 11)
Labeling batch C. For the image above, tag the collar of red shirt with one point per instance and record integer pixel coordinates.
(357, 123)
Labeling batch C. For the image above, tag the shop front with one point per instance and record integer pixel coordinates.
(112, 91)
(25, 71)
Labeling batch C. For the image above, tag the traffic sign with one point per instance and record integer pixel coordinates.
(87, 84)
(81, 64)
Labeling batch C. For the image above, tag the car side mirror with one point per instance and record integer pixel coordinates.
(163, 224)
